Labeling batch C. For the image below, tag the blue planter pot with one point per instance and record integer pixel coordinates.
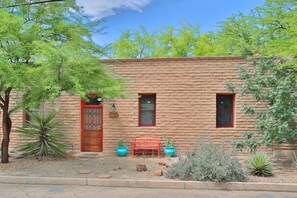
(169, 151)
(122, 151)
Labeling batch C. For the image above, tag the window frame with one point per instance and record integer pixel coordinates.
(26, 117)
(140, 111)
(232, 111)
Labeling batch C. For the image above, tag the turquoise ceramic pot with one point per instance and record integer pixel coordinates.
(169, 151)
(122, 151)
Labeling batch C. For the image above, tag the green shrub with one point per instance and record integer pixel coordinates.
(208, 163)
(41, 138)
(121, 143)
(260, 165)
(248, 141)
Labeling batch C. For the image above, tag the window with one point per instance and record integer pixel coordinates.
(147, 110)
(225, 110)
(27, 117)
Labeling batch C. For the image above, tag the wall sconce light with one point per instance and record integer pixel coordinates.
(113, 113)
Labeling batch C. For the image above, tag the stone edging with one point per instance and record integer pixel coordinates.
(169, 184)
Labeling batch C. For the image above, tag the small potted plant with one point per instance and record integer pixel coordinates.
(122, 149)
(169, 148)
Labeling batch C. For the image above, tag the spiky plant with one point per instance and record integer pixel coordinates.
(260, 165)
(41, 138)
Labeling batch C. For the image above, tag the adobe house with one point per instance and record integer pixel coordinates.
(184, 99)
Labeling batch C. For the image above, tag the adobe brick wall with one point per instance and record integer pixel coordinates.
(185, 91)
(69, 114)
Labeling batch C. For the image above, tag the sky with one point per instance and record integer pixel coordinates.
(121, 15)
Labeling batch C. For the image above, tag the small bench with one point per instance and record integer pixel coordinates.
(146, 143)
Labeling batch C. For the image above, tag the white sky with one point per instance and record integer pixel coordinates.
(105, 8)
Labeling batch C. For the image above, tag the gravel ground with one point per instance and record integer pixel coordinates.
(115, 167)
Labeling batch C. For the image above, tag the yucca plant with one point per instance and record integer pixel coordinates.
(260, 165)
(41, 137)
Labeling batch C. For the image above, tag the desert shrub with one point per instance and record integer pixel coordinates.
(41, 138)
(209, 162)
(259, 165)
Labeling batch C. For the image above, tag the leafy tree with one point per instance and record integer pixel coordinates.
(276, 122)
(170, 41)
(269, 35)
(133, 44)
(268, 31)
(208, 44)
(46, 49)
(173, 42)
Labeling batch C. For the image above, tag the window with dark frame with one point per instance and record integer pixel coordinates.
(27, 117)
(225, 110)
(147, 110)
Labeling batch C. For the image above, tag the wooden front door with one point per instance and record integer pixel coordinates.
(91, 126)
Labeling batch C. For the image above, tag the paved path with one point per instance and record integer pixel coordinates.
(49, 191)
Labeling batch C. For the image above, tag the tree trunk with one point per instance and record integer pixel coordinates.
(6, 127)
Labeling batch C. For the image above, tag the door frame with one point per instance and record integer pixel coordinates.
(82, 106)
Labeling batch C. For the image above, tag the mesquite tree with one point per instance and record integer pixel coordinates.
(46, 49)
(269, 36)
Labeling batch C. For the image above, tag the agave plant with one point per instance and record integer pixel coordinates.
(260, 165)
(41, 138)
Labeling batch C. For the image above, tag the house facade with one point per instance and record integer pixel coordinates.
(182, 99)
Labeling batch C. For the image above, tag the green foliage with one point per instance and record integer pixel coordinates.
(47, 49)
(275, 87)
(208, 163)
(268, 31)
(133, 44)
(247, 142)
(121, 143)
(260, 165)
(183, 41)
(230, 86)
(169, 143)
(41, 137)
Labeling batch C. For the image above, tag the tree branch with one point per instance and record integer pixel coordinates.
(1, 103)
(31, 3)
(1, 99)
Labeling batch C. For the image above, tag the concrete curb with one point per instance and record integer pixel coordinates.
(169, 184)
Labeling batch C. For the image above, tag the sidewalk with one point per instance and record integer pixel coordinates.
(111, 171)
(161, 184)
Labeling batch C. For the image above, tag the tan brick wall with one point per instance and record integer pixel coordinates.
(69, 114)
(185, 91)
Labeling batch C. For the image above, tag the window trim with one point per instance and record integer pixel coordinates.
(232, 110)
(27, 117)
(139, 109)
